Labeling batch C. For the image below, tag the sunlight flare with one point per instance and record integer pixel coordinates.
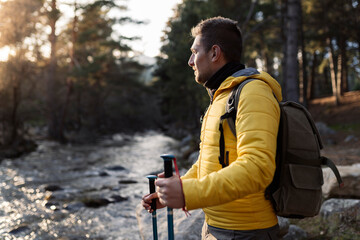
(4, 52)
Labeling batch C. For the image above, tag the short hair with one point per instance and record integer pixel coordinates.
(223, 32)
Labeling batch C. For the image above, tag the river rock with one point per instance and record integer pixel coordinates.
(127, 181)
(295, 233)
(74, 207)
(52, 188)
(186, 150)
(95, 202)
(19, 229)
(103, 174)
(284, 224)
(116, 198)
(189, 228)
(343, 206)
(193, 157)
(351, 178)
(115, 168)
(327, 134)
(323, 129)
(186, 140)
(351, 138)
(340, 214)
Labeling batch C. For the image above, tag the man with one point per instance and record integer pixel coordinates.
(232, 197)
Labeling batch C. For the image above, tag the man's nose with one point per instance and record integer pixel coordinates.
(191, 60)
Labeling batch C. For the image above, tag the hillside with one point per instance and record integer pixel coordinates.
(342, 145)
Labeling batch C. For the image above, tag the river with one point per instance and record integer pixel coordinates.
(75, 192)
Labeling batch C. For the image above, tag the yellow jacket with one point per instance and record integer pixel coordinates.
(233, 197)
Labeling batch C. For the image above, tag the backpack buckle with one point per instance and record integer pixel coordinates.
(231, 109)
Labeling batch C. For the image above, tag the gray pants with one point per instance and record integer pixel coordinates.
(213, 233)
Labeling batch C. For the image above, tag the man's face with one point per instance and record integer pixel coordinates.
(200, 61)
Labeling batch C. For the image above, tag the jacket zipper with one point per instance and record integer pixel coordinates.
(202, 142)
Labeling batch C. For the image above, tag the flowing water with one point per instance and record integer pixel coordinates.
(79, 192)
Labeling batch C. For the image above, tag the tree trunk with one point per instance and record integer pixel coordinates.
(284, 49)
(69, 81)
(301, 78)
(291, 45)
(343, 66)
(311, 86)
(265, 56)
(78, 117)
(332, 70)
(54, 131)
(338, 76)
(304, 62)
(14, 120)
(269, 63)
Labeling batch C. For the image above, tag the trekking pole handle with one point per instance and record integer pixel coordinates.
(152, 179)
(168, 158)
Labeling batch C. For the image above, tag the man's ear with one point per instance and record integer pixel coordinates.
(216, 53)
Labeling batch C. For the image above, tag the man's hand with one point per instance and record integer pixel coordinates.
(147, 200)
(169, 192)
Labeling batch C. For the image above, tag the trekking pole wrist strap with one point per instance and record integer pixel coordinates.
(182, 190)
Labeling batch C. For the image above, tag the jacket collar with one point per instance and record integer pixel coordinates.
(243, 74)
(223, 73)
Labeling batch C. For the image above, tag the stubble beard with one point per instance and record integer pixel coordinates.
(200, 79)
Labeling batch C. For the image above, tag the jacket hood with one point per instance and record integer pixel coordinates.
(252, 73)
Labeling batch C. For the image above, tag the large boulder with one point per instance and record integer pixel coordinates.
(340, 218)
(284, 224)
(328, 135)
(351, 178)
(295, 233)
(324, 129)
(335, 206)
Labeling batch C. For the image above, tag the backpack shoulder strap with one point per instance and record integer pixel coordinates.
(232, 105)
(230, 116)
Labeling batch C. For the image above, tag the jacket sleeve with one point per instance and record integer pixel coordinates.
(257, 123)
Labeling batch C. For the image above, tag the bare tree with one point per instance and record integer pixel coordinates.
(335, 87)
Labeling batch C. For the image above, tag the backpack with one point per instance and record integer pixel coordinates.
(295, 191)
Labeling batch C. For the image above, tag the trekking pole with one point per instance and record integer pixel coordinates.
(152, 179)
(168, 158)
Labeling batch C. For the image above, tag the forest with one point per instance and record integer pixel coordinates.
(84, 81)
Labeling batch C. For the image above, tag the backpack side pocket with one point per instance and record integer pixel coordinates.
(300, 192)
